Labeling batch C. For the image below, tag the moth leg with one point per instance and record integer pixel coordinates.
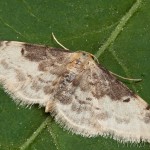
(49, 106)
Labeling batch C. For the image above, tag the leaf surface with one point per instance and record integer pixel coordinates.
(119, 35)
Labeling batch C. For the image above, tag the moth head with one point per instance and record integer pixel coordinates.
(81, 58)
(88, 56)
(84, 55)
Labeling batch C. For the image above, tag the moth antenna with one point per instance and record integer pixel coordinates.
(95, 58)
(58, 42)
(135, 80)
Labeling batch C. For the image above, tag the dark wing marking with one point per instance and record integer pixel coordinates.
(28, 72)
(99, 104)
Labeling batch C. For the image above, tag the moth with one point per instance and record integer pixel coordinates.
(83, 96)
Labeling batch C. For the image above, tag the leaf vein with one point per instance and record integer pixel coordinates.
(53, 137)
(29, 10)
(30, 140)
(11, 27)
(119, 28)
(90, 33)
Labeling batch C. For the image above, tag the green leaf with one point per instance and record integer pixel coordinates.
(117, 31)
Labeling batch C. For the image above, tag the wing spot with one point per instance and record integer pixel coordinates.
(83, 102)
(88, 98)
(35, 86)
(126, 100)
(75, 82)
(76, 108)
(120, 120)
(97, 108)
(103, 116)
(48, 90)
(76, 97)
(148, 107)
(45, 65)
(4, 64)
(20, 75)
(147, 118)
(22, 51)
(66, 100)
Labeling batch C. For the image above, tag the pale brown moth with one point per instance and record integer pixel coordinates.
(82, 96)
